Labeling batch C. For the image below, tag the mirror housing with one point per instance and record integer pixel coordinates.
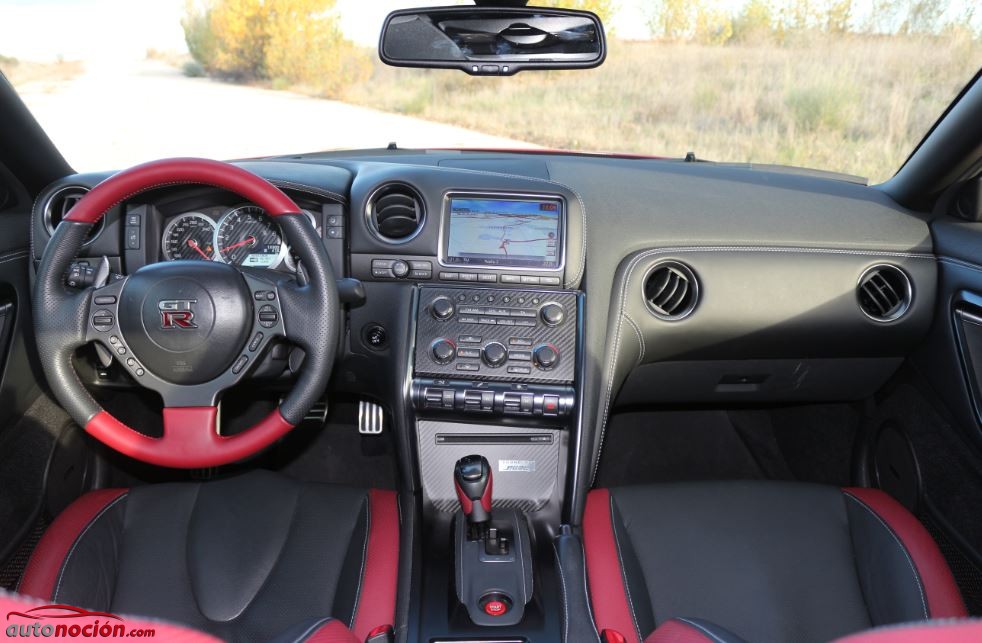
(493, 40)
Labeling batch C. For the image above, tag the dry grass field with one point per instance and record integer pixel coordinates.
(849, 103)
(21, 72)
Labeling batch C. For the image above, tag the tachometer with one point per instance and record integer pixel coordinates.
(189, 236)
(247, 236)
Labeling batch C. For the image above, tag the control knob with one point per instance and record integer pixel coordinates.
(545, 356)
(442, 308)
(400, 268)
(443, 351)
(552, 314)
(494, 354)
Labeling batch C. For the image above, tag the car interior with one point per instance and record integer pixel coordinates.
(434, 395)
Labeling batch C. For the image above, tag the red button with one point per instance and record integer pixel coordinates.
(495, 608)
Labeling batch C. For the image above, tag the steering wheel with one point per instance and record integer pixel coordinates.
(188, 330)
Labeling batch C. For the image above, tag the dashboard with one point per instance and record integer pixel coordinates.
(592, 282)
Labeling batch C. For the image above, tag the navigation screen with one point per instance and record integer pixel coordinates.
(521, 234)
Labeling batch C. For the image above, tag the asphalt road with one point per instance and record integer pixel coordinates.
(117, 114)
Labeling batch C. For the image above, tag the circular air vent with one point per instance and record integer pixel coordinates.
(671, 290)
(59, 204)
(395, 213)
(884, 293)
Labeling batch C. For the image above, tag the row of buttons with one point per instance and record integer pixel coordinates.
(491, 321)
(399, 269)
(483, 277)
(117, 345)
(133, 234)
(512, 341)
(508, 403)
(335, 226)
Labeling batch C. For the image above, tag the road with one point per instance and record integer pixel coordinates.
(117, 114)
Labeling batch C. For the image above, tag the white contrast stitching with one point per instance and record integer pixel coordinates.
(913, 569)
(364, 560)
(637, 331)
(78, 539)
(562, 579)
(700, 628)
(636, 260)
(623, 570)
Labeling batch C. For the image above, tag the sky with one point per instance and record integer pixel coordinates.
(92, 29)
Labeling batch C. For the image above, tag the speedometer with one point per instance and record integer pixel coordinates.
(247, 236)
(189, 236)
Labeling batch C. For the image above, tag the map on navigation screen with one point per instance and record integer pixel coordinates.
(504, 233)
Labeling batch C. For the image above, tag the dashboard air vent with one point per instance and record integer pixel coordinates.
(671, 290)
(60, 203)
(395, 213)
(884, 293)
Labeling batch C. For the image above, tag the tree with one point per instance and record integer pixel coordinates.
(603, 8)
(671, 19)
(755, 22)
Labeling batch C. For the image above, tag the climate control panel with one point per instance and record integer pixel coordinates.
(496, 335)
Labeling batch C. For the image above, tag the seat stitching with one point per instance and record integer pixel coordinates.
(364, 560)
(701, 628)
(316, 625)
(78, 539)
(620, 559)
(586, 589)
(896, 538)
(562, 579)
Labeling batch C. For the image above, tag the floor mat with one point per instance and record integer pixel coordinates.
(336, 453)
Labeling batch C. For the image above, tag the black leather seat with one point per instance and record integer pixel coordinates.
(252, 558)
(758, 561)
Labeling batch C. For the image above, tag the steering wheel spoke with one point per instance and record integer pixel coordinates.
(102, 319)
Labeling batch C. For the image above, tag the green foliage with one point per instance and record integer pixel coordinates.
(192, 69)
(755, 22)
(292, 43)
(818, 107)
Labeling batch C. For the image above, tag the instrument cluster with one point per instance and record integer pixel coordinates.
(243, 235)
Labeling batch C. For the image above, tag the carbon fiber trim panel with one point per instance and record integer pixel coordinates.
(490, 315)
(526, 474)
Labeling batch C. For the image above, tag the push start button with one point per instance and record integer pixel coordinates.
(495, 604)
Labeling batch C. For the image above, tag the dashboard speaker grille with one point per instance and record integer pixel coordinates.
(884, 293)
(60, 203)
(396, 212)
(671, 290)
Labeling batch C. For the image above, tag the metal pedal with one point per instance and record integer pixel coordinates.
(317, 413)
(371, 418)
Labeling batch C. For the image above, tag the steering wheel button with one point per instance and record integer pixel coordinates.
(260, 295)
(270, 296)
(140, 372)
(105, 300)
(256, 341)
(131, 362)
(121, 350)
(240, 364)
(113, 340)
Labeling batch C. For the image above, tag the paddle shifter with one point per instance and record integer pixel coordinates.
(472, 478)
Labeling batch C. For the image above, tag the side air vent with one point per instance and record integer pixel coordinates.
(60, 203)
(395, 213)
(671, 290)
(884, 293)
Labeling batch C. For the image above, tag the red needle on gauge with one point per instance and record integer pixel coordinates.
(244, 242)
(194, 246)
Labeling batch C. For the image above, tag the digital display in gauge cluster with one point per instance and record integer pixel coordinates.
(242, 236)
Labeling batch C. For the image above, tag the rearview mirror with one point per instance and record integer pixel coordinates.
(492, 41)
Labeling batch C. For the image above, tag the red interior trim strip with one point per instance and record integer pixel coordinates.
(377, 602)
(45, 564)
(608, 597)
(943, 598)
(147, 176)
(332, 632)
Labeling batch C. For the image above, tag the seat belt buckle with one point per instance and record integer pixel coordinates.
(612, 636)
(381, 634)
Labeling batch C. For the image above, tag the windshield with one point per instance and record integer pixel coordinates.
(849, 86)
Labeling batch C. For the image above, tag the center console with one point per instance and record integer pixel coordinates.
(492, 398)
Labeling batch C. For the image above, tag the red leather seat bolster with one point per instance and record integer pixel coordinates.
(41, 574)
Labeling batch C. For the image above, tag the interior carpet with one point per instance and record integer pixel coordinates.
(808, 443)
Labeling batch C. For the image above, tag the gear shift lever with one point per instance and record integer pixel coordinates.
(472, 479)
